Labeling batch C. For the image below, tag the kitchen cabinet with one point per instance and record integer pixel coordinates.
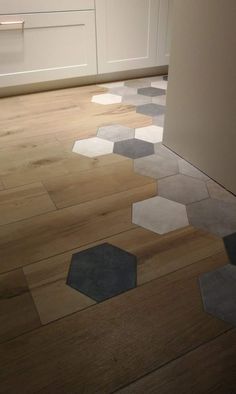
(164, 32)
(31, 6)
(126, 34)
(46, 46)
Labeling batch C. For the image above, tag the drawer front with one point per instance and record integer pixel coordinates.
(44, 47)
(26, 6)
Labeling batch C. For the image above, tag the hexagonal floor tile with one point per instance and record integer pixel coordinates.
(151, 92)
(151, 109)
(160, 100)
(106, 99)
(183, 189)
(160, 215)
(93, 147)
(138, 83)
(151, 133)
(214, 216)
(219, 193)
(156, 166)
(218, 289)
(133, 148)
(163, 151)
(123, 90)
(136, 99)
(186, 168)
(165, 78)
(160, 84)
(111, 85)
(102, 272)
(230, 247)
(159, 120)
(115, 132)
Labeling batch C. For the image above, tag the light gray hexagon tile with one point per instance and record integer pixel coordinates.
(111, 85)
(151, 109)
(106, 99)
(151, 133)
(133, 148)
(123, 90)
(136, 99)
(186, 168)
(218, 290)
(160, 100)
(156, 166)
(151, 92)
(159, 120)
(163, 151)
(138, 83)
(161, 84)
(115, 132)
(183, 189)
(215, 216)
(219, 193)
(93, 147)
(160, 215)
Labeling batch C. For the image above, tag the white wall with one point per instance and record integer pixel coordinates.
(201, 101)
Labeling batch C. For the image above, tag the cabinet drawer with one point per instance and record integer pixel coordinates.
(47, 46)
(26, 6)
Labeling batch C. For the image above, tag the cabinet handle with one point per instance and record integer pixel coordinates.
(12, 25)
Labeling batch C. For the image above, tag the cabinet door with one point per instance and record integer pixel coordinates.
(26, 6)
(126, 34)
(47, 46)
(164, 32)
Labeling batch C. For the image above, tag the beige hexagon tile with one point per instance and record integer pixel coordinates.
(160, 215)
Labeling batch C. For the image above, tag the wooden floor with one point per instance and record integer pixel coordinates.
(155, 338)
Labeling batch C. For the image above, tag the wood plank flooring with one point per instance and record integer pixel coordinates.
(155, 338)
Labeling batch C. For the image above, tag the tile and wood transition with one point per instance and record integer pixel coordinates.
(147, 333)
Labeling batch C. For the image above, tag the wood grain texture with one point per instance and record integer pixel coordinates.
(208, 369)
(17, 310)
(94, 184)
(55, 232)
(24, 202)
(114, 343)
(157, 256)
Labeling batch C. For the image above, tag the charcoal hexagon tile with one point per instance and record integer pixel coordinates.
(102, 272)
(218, 290)
(160, 100)
(115, 132)
(123, 90)
(159, 120)
(133, 148)
(151, 109)
(182, 188)
(160, 84)
(230, 247)
(151, 133)
(219, 193)
(188, 169)
(156, 166)
(138, 83)
(160, 215)
(136, 99)
(214, 216)
(106, 99)
(93, 147)
(151, 92)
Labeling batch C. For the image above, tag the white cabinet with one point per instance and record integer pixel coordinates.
(26, 6)
(126, 34)
(48, 46)
(164, 32)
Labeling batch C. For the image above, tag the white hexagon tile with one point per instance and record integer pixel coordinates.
(106, 99)
(93, 147)
(151, 133)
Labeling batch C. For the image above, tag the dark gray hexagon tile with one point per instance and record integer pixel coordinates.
(182, 188)
(151, 109)
(133, 148)
(151, 92)
(102, 272)
(230, 246)
(115, 132)
(218, 289)
(156, 166)
(214, 216)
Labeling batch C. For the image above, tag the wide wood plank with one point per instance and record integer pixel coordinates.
(24, 202)
(157, 255)
(109, 345)
(37, 238)
(17, 311)
(94, 184)
(208, 369)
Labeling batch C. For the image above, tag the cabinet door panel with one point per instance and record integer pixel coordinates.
(164, 32)
(25, 6)
(51, 46)
(126, 34)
